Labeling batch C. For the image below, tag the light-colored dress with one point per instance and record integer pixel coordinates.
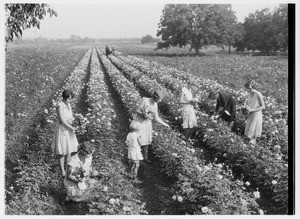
(134, 149)
(253, 126)
(65, 140)
(188, 113)
(146, 124)
(78, 191)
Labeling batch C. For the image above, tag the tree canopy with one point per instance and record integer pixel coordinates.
(267, 31)
(198, 25)
(22, 16)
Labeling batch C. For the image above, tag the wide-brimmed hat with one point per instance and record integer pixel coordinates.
(86, 148)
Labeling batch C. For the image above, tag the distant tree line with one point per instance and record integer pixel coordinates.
(200, 25)
(149, 39)
(72, 39)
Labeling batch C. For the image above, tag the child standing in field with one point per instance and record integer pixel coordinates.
(134, 142)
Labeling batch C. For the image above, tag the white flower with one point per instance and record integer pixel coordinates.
(274, 182)
(199, 168)
(247, 183)
(125, 208)
(46, 111)
(49, 121)
(179, 198)
(92, 140)
(174, 197)
(256, 194)
(220, 165)
(174, 154)
(277, 147)
(220, 176)
(112, 201)
(204, 209)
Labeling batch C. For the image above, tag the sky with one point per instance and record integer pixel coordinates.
(116, 20)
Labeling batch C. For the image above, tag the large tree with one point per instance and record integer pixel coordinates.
(22, 16)
(267, 31)
(197, 25)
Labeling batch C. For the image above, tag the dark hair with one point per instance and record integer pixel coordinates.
(157, 95)
(67, 94)
(250, 83)
(86, 148)
(213, 94)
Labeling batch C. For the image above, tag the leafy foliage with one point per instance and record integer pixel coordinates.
(198, 25)
(22, 16)
(267, 31)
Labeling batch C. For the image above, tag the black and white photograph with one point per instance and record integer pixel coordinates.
(149, 108)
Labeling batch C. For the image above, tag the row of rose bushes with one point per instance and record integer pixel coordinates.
(264, 168)
(116, 193)
(275, 132)
(276, 110)
(200, 188)
(33, 74)
(37, 187)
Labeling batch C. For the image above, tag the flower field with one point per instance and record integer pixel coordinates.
(217, 174)
(33, 74)
(260, 165)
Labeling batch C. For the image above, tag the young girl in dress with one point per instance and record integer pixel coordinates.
(134, 142)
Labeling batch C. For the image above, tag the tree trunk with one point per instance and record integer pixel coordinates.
(229, 48)
(197, 51)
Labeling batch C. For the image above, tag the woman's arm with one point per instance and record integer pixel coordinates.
(158, 119)
(63, 120)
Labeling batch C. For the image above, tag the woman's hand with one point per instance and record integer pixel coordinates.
(249, 109)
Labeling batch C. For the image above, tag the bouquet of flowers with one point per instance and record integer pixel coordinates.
(146, 113)
(79, 173)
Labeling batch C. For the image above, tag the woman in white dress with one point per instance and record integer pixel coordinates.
(65, 138)
(188, 113)
(147, 111)
(255, 105)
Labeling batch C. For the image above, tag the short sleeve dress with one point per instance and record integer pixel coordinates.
(134, 149)
(188, 113)
(253, 126)
(77, 191)
(146, 124)
(65, 140)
